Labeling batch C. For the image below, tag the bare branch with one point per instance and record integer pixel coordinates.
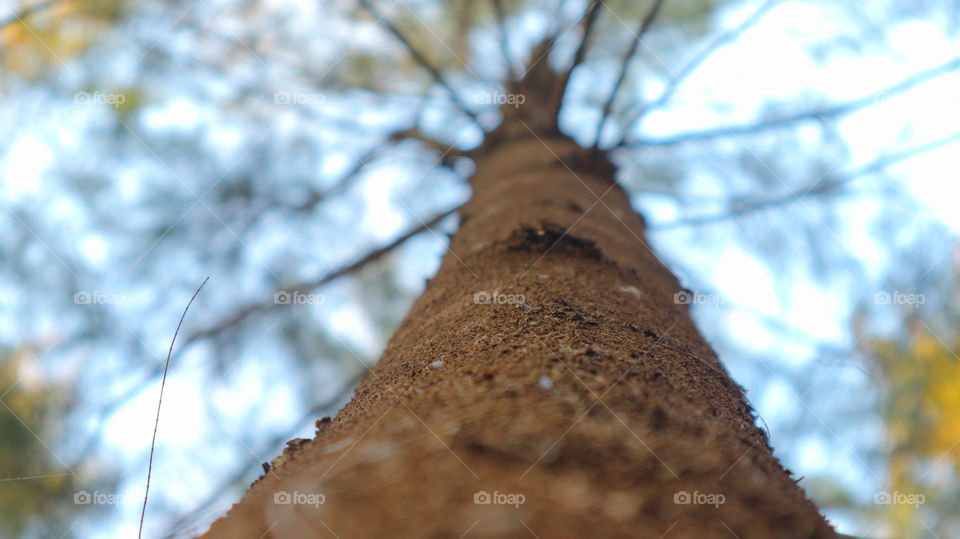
(240, 316)
(589, 20)
(345, 181)
(644, 26)
(134, 389)
(244, 313)
(504, 38)
(826, 186)
(817, 114)
(678, 78)
(422, 60)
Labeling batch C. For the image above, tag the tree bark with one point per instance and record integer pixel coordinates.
(548, 369)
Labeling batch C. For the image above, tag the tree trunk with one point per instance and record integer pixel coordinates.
(547, 383)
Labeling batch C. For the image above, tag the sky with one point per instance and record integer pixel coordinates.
(769, 61)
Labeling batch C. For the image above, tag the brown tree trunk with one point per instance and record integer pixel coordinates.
(546, 369)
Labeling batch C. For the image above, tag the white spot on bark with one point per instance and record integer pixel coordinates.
(632, 290)
(334, 447)
(378, 451)
(545, 382)
(437, 364)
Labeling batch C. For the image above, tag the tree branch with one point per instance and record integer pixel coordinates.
(608, 105)
(504, 38)
(642, 110)
(589, 19)
(350, 177)
(817, 114)
(422, 60)
(242, 314)
(821, 187)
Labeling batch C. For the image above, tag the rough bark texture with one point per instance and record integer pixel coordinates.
(584, 387)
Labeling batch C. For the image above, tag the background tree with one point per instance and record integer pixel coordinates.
(553, 359)
(222, 138)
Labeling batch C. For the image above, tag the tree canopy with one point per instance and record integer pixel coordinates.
(792, 160)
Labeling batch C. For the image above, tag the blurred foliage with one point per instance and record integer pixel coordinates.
(55, 33)
(226, 149)
(921, 409)
(35, 482)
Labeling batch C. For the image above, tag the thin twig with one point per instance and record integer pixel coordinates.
(250, 310)
(422, 60)
(818, 188)
(635, 117)
(817, 114)
(624, 66)
(271, 445)
(163, 383)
